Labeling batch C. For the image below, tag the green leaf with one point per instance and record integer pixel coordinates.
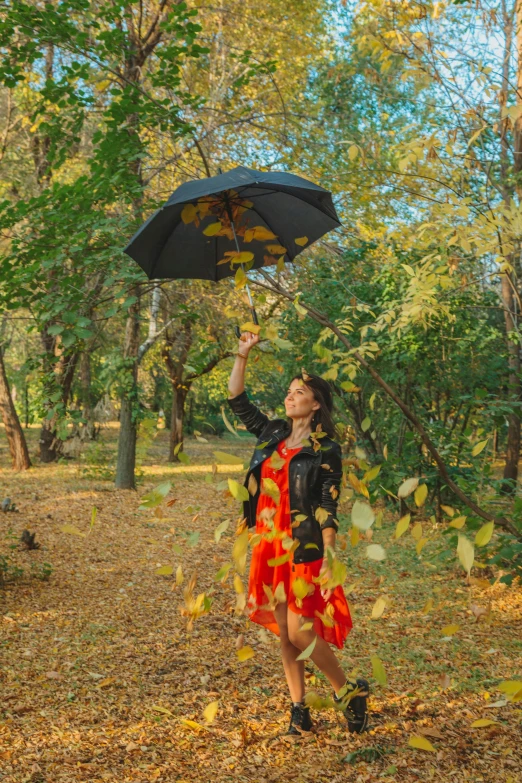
(309, 650)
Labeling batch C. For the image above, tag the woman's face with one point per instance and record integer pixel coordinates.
(299, 401)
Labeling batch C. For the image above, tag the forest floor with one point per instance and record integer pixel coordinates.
(102, 681)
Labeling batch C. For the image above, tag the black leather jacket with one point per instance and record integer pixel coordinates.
(310, 476)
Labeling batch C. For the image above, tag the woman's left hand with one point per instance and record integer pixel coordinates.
(326, 574)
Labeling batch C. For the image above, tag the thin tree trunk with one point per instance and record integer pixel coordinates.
(13, 429)
(125, 478)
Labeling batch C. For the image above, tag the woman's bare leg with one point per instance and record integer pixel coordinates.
(294, 670)
(323, 656)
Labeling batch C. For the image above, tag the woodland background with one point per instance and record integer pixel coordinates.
(411, 114)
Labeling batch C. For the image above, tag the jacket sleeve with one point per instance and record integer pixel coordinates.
(254, 420)
(331, 477)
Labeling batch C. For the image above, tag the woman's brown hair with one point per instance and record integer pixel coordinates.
(322, 392)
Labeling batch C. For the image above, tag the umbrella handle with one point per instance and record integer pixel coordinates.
(254, 321)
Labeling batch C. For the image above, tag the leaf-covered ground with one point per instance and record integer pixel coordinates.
(99, 672)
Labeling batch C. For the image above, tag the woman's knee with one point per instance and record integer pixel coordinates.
(300, 639)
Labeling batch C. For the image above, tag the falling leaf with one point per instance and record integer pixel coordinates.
(421, 493)
(362, 515)
(481, 722)
(260, 233)
(378, 608)
(73, 530)
(483, 536)
(449, 510)
(375, 552)
(407, 487)
(301, 241)
(510, 687)
(354, 536)
(402, 525)
(478, 447)
(416, 531)
(421, 743)
(276, 250)
(379, 673)
(449, 630)
(245, 653)
(309, 650)
(466, 553)
(237, 490)
(179, 576)
(210, 711)
(228, 425)
(239, 551)
(212, 229)
(420, 545)
(458, 522)
(188, 213)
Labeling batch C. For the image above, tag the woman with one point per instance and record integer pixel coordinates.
(293, 485)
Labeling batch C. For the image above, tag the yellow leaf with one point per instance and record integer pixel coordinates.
(276, 250)
(416, 531)
(458, 522)
(378, 608)
(510, 687)
(321, 514)
(188, 213)
(449, 510)
(245, 653)
(481, 722)
(407, 487)
(301, 241)
(483, 536)
(210, 711)
(354, 536)
(242, 258)
(402, 525)
(306, 626)
(240, 279)
(421, 743)
(300, 587)
(250, 327)
(259, 232)
(478, 447)
(73, 530)
(420, 545)
(164, 571)
(309, 650)
(362, 514)
(420, 495)
(239, 551)
(191, 724)
(378, 670)
(179, 575)
(238, 584)
(237, 490)
(212, 229)
(428, 606)
(353, 151)
(276, 561)
(449, 630)
(466, 553)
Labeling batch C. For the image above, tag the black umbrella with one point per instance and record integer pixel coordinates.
(240, 220)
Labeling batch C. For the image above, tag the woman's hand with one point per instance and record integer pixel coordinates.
(247, 341)
(326, 575)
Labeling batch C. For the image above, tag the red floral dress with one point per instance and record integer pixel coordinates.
(273, 574)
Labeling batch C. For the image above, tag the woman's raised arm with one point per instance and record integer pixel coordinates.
(236, 383)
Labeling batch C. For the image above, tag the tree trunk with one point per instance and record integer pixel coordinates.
(50, 443)
(13, 429)
(126, 464)
(514, 387)
(179, 395)
(89, 428)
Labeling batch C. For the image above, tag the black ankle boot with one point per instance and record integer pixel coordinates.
(300, 720)
(355, 706)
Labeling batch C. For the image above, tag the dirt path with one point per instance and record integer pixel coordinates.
(99, 671)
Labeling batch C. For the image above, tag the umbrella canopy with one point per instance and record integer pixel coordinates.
(243, 218)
